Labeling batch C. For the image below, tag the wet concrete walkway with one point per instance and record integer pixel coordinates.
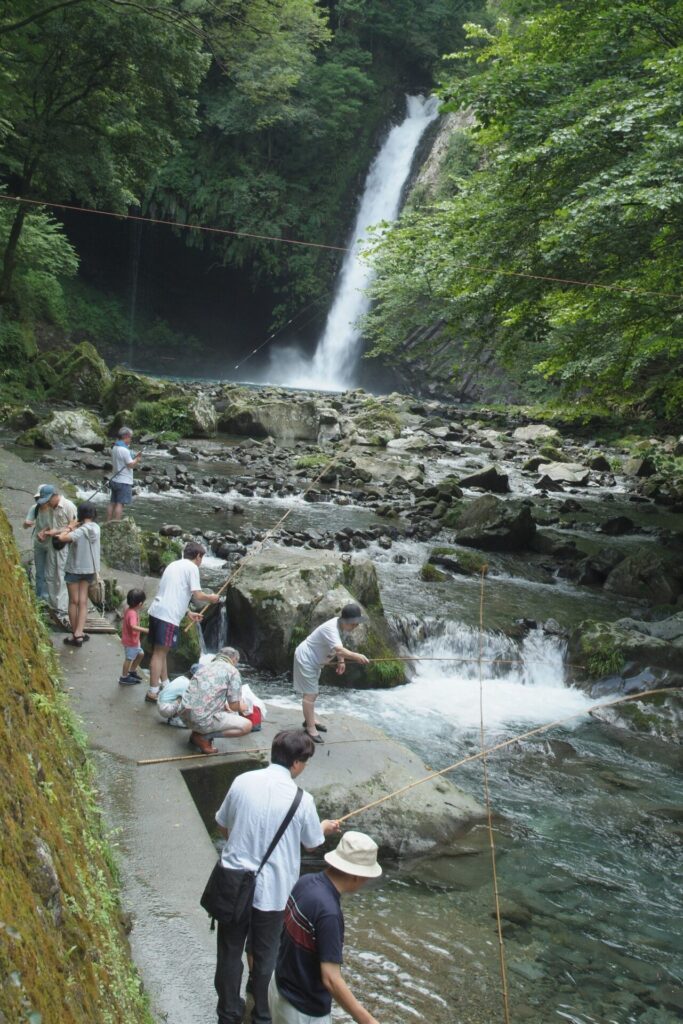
(164, 850)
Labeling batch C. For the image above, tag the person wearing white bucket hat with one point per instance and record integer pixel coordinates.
(308, 972)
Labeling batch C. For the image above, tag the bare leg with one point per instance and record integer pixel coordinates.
(73, 607)
(82, 606)
(157, 665)
(133, 665)
(308, 706)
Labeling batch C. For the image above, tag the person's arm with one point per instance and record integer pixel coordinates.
(223, 831)
(199, 595)
(333, 981)
(139, 629)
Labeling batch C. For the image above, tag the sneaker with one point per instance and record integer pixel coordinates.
(177, 722)
(129, 680)
(135, 675)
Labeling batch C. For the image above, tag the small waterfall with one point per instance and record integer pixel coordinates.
(527, 683)
(214, 634)
(336, 356)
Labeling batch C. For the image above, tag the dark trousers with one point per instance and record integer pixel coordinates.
(265, 927)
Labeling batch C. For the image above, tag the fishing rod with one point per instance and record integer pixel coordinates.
(507, 743)
(226, 753)
(279, 330)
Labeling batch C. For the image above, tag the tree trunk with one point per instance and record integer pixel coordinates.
(10, 256)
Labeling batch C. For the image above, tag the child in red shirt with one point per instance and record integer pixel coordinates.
(130, 638)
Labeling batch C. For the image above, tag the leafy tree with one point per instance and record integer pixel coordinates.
(579, 146)
(96, 96)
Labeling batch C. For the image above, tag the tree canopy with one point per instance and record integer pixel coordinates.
(572, 169)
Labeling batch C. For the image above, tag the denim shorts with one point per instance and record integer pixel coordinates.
(121, 494)
(131, 653)
(76, 577)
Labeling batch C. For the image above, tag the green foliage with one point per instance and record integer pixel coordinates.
(572, 170)
(314, 461)
(430, 574)
(164, 415)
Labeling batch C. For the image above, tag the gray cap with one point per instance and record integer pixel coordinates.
(45, 493)
(352, 613)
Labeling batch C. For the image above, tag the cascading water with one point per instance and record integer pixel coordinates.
(526, 685)
(335, 359)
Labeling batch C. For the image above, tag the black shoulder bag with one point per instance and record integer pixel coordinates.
(229, 892)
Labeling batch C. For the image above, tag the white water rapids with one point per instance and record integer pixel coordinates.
(334, 363)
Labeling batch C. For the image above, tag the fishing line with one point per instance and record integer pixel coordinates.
(574, 282)
(270, 337)
(269, 533)
(489, 814)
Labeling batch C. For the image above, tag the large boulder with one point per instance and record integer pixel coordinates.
(489, 478)
(202, 416)
(564, 473)
(82, 375)
(625, 656)
(644, 575)
(536, 432)
(123, 546)
(392, 471)
(68, 428)
(496, 525)
(285, 421)
(127, 388)
(282, 594)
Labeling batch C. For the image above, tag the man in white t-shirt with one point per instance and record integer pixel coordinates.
(320, 647)
(250, 817)
(178, 585)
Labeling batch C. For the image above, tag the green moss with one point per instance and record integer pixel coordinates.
(299, 633)
(163, 415)
(78, 970)
(550, 453)
(160, 551)
(315, 461)
(443, 550)
(601, 655)
(430, 574)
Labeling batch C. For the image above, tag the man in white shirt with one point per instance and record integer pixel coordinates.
(178, 585)
(250, 816)
(320, 647)
(121, 482)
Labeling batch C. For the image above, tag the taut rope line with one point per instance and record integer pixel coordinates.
(335, 248)
(268, 534)
(507, 743)
(489, 816)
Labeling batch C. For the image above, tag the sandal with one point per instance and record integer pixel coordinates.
(317, 738)
(319, 727)
(73, 641)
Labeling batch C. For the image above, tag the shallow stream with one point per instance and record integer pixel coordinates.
(589, 820)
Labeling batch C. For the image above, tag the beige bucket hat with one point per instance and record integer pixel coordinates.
(355, 855)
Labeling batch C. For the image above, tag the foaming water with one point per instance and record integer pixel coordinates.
(525, 685)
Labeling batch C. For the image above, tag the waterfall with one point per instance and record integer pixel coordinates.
(334, 363)
(526, 685)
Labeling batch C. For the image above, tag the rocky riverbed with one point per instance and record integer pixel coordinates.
(582, 546)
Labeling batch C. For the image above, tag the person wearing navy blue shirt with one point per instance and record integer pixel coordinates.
(308, 972)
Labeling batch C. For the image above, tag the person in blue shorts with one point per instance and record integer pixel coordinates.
(308, 971)
(121, 483)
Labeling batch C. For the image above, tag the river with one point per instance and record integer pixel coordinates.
(587, 819)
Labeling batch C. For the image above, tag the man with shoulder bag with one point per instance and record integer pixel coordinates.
(266, 819)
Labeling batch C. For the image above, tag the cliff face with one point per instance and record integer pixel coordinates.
(63, 950)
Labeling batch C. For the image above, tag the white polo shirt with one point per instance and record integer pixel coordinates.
(252, 812)
(179, 581)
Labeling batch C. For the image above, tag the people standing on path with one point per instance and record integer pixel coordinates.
(121, 482)
(212, 704)
(38, 518)
(179, 584)
(250, 815)
(313, 653)
(131, 635)
(60, 513)
(82, 565)
(308, 972)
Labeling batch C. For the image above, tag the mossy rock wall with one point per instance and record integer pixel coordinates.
(63, 951)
